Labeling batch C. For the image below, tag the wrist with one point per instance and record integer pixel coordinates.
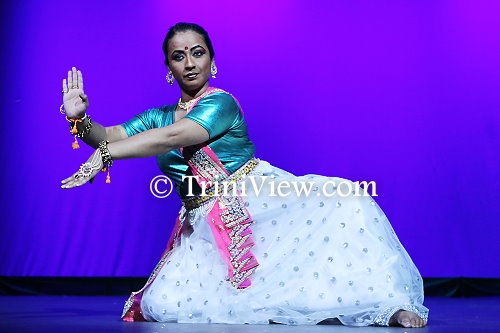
(105, 154)
(107, 160)
(85, 116)
(80, 115)
(84, 129)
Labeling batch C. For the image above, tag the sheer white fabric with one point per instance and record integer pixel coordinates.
(319, 258)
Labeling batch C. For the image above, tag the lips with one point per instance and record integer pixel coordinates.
(191, 75)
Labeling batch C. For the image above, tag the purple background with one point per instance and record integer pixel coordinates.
(405, 93)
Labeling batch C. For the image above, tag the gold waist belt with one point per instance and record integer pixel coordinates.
(210, 193)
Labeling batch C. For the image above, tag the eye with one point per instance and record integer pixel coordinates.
(178, 57)
(198, 53)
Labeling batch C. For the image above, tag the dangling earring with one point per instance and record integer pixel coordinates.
(170, 77)
(213, 69)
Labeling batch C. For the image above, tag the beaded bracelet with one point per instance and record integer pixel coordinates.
(74, 130)
(107, 160)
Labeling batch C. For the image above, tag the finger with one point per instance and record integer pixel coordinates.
(70, 79)
(81, 181)
(66, 180)
(75, 77)
(80, 79)
(67, 185)
(64, 86)
(72, 183)
(70, 178)
(84, 97)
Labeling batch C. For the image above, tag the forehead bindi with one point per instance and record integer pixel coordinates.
(186, 40)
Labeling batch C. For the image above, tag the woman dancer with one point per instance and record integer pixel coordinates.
(247, 255)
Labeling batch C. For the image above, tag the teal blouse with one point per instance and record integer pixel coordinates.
(220, 114)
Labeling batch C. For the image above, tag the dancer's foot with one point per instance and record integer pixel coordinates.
(406, 319)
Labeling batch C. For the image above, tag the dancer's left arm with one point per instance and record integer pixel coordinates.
(153, 142)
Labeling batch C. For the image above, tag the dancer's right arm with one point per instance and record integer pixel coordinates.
(75, 105)
(99, 133)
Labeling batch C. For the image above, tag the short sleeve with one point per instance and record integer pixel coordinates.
(216, 113)
(142, 122)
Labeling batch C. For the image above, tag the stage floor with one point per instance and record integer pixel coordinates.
(70, 314)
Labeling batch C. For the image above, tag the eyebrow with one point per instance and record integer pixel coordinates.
(191, 49)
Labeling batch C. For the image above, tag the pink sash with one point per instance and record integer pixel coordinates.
(229, 223)
(229, 218)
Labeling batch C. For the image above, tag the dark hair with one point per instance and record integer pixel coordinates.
(182, 27)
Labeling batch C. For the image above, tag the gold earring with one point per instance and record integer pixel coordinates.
(213, 70)
(170, 77)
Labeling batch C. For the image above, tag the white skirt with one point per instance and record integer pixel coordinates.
(319, 258)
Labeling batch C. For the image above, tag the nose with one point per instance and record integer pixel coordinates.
(189, 65)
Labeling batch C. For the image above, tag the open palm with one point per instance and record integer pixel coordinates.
(74, 99)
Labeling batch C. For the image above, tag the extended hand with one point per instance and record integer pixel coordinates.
(74, 99)
(86, 173)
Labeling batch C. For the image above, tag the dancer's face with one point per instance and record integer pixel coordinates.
(189, 60)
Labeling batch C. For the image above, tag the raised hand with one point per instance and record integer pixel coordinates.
(74, 99)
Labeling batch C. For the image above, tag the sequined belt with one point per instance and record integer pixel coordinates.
(211, 193)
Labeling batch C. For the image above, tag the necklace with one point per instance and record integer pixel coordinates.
(187, 105)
